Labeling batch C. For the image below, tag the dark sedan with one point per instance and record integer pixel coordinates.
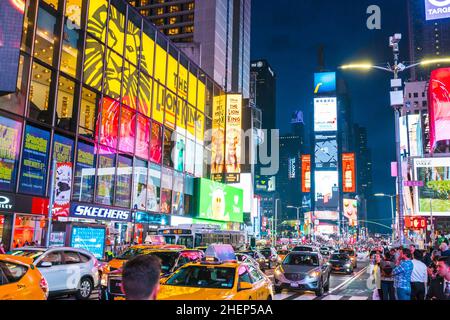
(258, 256)
(341, 262)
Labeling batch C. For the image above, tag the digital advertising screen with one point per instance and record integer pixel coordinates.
(351, 211)
(326, 152)
(90, 239)
(233, 138)
(324, 83)
(411, 142)
(11, 24)
(437, 9)
(33, 175)
(218, 135)
(10, 133)
(439, 105)
(349, 173)
(292, 168)
(327, 190)
(435, 195)
(306, 173)
(325, 114)
(219, 202)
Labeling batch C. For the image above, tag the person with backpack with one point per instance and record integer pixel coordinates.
(387, 280)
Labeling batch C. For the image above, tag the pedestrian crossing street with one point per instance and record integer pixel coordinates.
(285, 295)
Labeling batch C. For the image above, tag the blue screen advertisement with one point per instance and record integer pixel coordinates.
(325, 83)
(90, 239)
(11, 23)
(34, 162)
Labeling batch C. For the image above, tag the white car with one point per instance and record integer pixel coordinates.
(67, 270)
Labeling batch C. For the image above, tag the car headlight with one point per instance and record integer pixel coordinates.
(104, 280)
(314, 274)
(348, 265)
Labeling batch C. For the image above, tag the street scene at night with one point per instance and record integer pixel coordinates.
(215, 150)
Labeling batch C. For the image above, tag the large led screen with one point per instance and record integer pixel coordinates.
(326, 152)
(10, 133)
(325, 83)
(90, 239)
(435, 195)
(439, 106)
(351, 211)
(233, 138)
(349, 172)
(11, 23)
(306, 173)
(437, 9)
(327, 190)
(219, 202)
(325, 114)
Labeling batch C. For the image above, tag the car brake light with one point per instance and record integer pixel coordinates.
(44, 285)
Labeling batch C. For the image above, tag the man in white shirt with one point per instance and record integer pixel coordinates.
(419, 277)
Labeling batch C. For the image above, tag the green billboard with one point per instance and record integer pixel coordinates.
(219, 202)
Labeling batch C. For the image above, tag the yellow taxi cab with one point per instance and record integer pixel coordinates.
(172, 258)
(21, 280)
(282, 253)
(219, 276)
(352, 254)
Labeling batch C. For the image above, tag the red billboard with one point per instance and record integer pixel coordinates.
(439, 106)
(306, 173)
(349, 173)
(416, 223)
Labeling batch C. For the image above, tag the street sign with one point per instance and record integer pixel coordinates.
(413, 183)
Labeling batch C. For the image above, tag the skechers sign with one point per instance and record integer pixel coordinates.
(324, 83)
(437, 9)
(99, 213)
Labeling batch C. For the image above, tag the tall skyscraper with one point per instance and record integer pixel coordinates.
(427, 39)
(213, 33)
(263, 91)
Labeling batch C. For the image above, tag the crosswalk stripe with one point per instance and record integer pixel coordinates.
(331, 297)
(359, 298)
(283, 295)
(306, 297)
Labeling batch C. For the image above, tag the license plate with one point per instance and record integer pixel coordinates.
(294, 285)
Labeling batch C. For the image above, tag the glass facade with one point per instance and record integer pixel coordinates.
(100, 87)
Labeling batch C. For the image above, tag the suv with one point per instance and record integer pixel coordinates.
(67, 270)
(304, 249)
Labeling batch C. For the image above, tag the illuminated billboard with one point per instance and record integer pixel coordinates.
(411, 141)
(219, 202)
(351, 211)
(11, 24)
(292, 168)
(349, 173)
(325, 114)
(439, 106)
(306, 173)
(218, 138)
(437, 9)
(324, 83)
(326, 152)
(327, 190)
(233, 138)
(326, 215)
(435, 195)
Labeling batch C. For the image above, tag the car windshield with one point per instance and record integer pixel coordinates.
(168, 259)
(33, 254)
(340, 256)
(203, 277)
(303, 249)
(349, 252)
(130, 253)
(266, 253)
(301, 260)
(285, 252)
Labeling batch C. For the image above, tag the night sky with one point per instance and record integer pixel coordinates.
(288, 32)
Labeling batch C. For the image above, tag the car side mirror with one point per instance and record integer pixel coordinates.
(245, 286)
(45, 264)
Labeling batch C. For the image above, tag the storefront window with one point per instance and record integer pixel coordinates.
(105, 177)
(168, 145)
(123, 187)
(10, 133)
(166, 190)
(142, 137)
(140, 184)
(15, 102)
(34, 161)
(127, 130)
(154, 188)
(178, 196)
(65, 112)
(84, 173)
(28, 231)
(93, 64)
(46, 34)
(189, 195)
(89, 102)
(110, 123)
(72, 38)
(40, 100)
(156, 143)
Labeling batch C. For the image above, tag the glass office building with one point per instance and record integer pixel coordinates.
(105, 94)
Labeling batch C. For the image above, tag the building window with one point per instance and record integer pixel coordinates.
(65, 112)
(105, 176)
(40, 100)
(173, 31)
(188, 29)
(84, 173)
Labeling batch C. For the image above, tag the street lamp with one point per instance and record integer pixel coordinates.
(381, 195)
(396, 68)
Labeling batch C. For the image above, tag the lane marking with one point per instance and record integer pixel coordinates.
(306, 297)
(356, 276)
(283, 295)
(359, 298)
(331, 297)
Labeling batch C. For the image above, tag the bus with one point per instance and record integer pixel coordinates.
(195, 235)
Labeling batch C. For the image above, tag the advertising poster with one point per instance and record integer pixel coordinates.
(57, 239)
(142, 137)
(326, 152)
(349, 172)
(124, 181)
(326, 215)
(325, 114)
(90, 239)
(63, 183)
(11, 23)
(140, 185)
(153, 188)
(292, 168)
(435, 195)
(218, 137)
(306, 173)
(327, 190)
(156, 143)
(85, 173)
(439, 106)
(10, 133)
(219, 202)
(105, 180)
(233, 138)
(34, 161)
(411, 142)
(178, 152)
(109, 123)
(351, 211)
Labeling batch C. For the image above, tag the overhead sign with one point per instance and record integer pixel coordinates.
(99, 213)
(437, 9)
(324, 83)
(325, 114)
